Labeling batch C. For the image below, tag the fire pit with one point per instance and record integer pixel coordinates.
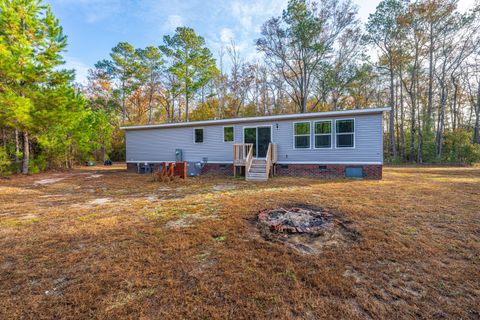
(306, 228)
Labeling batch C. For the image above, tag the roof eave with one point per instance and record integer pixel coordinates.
(259, 119)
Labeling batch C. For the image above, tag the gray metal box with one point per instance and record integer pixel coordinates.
(178, 155)
(194, 169)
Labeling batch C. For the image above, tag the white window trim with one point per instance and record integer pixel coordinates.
(193, 131)
(302, 135)
(323, 134)
(336, 134)
(223, 134)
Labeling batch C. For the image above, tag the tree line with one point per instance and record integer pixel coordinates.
(45, 122)
(421, 59)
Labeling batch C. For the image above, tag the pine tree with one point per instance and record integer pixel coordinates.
(31, 42)
(191, 61)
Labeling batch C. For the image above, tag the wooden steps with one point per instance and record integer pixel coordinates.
(257, 171)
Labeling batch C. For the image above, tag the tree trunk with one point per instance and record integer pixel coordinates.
(397, 127)
(392, 112)
(334, 100)
(304, 89)
(419, 126)
(104, 153)
(441, 120)
(26, 152)
(186, 86)
(420, 145)
(303, 104)
(402, 118)
(411, 94)
(17, 149)
(150, 99)
(186, 107)
(476, 130)
(430, 77)
(179, 110)
(454, 107)
(412, 134)
(124, 109)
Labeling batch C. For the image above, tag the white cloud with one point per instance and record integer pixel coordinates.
(226, 35)
(173, 21)
(247, 17)
(81, 69)
(249, 14)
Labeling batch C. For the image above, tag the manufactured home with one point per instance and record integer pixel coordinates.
(332, 144)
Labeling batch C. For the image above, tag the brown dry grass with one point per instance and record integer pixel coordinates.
(148, 250)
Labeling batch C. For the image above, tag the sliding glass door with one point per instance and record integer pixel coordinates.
(260, 137)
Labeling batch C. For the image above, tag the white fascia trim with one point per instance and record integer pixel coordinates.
(170, 161)
(305, 116)
(329, 162)
(278, 162)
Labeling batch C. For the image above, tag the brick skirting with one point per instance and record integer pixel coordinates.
(332, 171)
(371, 172)
(218, 168)
(131, 167)
(213, 168)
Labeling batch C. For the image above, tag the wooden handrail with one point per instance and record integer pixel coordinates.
(269, 159)
(240, 150)
(243, 156)
(249, 158)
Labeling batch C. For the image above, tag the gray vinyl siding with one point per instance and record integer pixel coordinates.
(159, 144)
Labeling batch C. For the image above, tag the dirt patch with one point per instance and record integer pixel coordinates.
(179, 223)
(307, 229)
(101, 201)
(188, 221)
(48, 181)
(224, 187)
(94, 176)
(58, 286)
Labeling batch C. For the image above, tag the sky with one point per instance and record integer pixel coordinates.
(94, 27)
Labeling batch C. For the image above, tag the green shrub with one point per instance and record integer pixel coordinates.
(5, 164)
(458, 147)
(37, 164)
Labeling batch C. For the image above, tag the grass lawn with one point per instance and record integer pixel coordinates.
(103, 243)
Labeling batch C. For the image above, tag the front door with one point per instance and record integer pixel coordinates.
(260, 137)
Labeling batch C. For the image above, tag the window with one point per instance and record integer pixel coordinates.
(345, 130)
(228, 135)
(323, 134)
(301, 135)
(198, 135)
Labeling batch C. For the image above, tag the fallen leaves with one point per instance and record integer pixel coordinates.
(109, 244)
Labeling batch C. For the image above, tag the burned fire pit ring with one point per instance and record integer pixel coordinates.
(306, 228)
(296, 220)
